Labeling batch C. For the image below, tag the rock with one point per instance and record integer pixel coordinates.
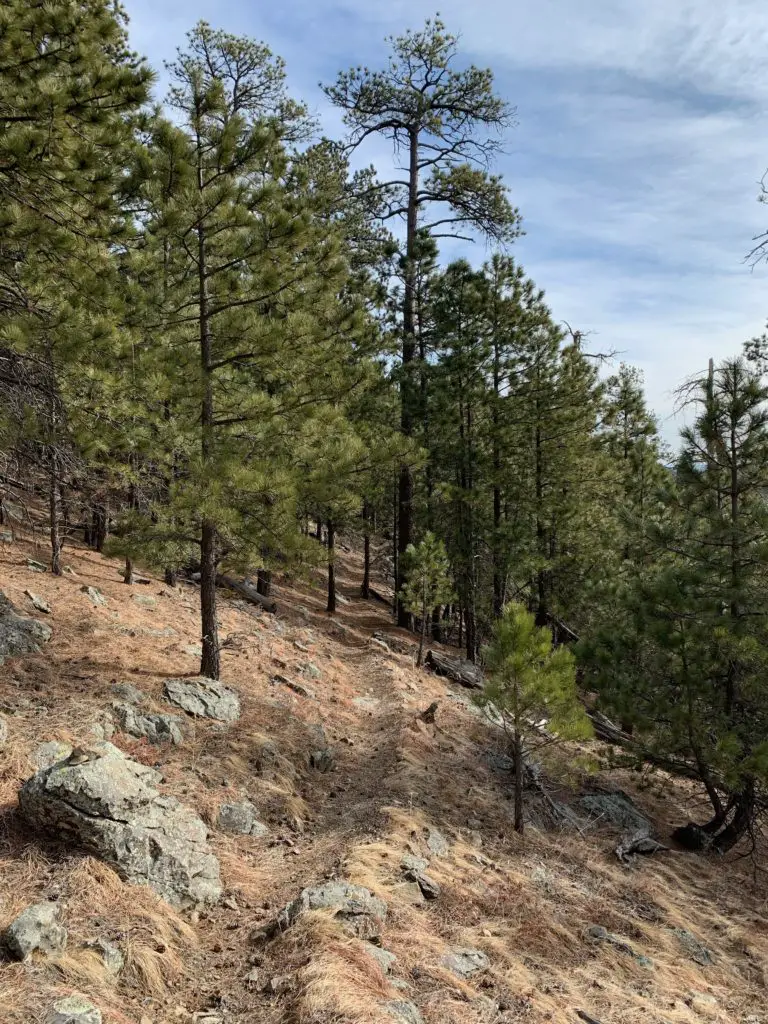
(600, 934)
(465, 962)
(366, 703)
(204, 698)
(36, 928)
(311, 670)
(437, 843)
(110, 955)
(301, 689)
(103, 728)
(429, 887)
(702, 1003)
(616, 809)
(74, 1010)
(359, 911)
(108, 805)
(6, 536)
(280, 984)
(322, 760)
(36, 566)
(38, 602)
(128, 692)
(50, 753)
(94, 595)
(403, 1012)
(154, 728)
(4, 731)
(410, 862)
(18, 634)
(240, 819)
(383, 957)
(193, 650)
(695, 949)
(144, 600)
(635, 843)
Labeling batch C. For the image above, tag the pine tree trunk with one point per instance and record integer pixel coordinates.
(423, 635)
(170, 577)
(395, 544)
(331, 607)
(405, 481)
(210, 664)
(128, 574)
(263, 582)
(365, 589)
(54, 502)
(518, 754)
(99, 528)
(437, 621)
(499, 574)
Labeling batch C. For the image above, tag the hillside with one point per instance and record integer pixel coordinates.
(398, 786)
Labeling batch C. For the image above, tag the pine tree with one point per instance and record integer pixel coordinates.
(529, 680)
(446, 121)
(428, 583)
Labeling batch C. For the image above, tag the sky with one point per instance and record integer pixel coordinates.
(641, 137)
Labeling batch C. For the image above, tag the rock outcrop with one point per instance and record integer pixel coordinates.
(19, 634)
(204, 698)
(356, 908)
(110, 806)
(152, 727)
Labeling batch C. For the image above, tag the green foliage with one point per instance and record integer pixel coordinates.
(427, 581)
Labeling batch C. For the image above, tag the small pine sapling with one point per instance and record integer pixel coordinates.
(427, 582)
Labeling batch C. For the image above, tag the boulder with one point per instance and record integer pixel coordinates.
(74, 1010)
(18, 634)
(430, 889)
(36, 928)
(39, 603)
(615, 809)
(465, 962)
(204, 698)
(240, 819)
(383, 957)
(110, 806)
(155, 728)
(129, 693)
(355, 907)
(95, 596)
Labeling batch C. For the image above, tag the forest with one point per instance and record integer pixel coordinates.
(226, 348)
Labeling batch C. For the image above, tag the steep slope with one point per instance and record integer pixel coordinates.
(529, 911)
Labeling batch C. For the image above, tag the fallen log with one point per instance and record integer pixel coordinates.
(247, 591)
(459, 670)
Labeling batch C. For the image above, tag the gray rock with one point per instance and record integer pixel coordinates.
(410, 862)
(18, 634)
(193, 650)
(240, 819)
(6, 536)
(36, 928)
(311, 670)
(4, 731)
(51, 753)
(404, 1012)
(322, 760)
(74, 1010)
(437, 843)
(154, 728)
(430, 890)
(383, 957)
(359, 911)
(104, 726)
(695, 949)
(465, 962)
(110, 955)
(109, 805)
(38, 602)
(36, 566)
(301, 689)
(94, 595)
(616, 809)
(128, 692)
(366, 703)
(600, 934)
(204, 698)
(144, 600)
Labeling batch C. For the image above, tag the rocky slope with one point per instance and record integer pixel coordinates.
(314, 851)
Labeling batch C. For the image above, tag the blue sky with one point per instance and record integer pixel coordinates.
(642, 135)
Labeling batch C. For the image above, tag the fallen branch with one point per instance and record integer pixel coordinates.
(247, 591)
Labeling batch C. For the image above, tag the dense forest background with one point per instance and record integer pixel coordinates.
(221, 349)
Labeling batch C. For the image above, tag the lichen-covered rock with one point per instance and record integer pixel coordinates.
(38, 603)
(36, 928)
(50, 753)
(153, 727)
(19, 634)
(109, 805)
(204, 698)
(355, 907)
(95, 596)
(437, 844)
(129, 693)
(615, 809)
(465, 962)
(240, 819)
(74, 1010)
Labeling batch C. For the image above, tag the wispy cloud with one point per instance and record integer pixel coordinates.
(642, 133)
